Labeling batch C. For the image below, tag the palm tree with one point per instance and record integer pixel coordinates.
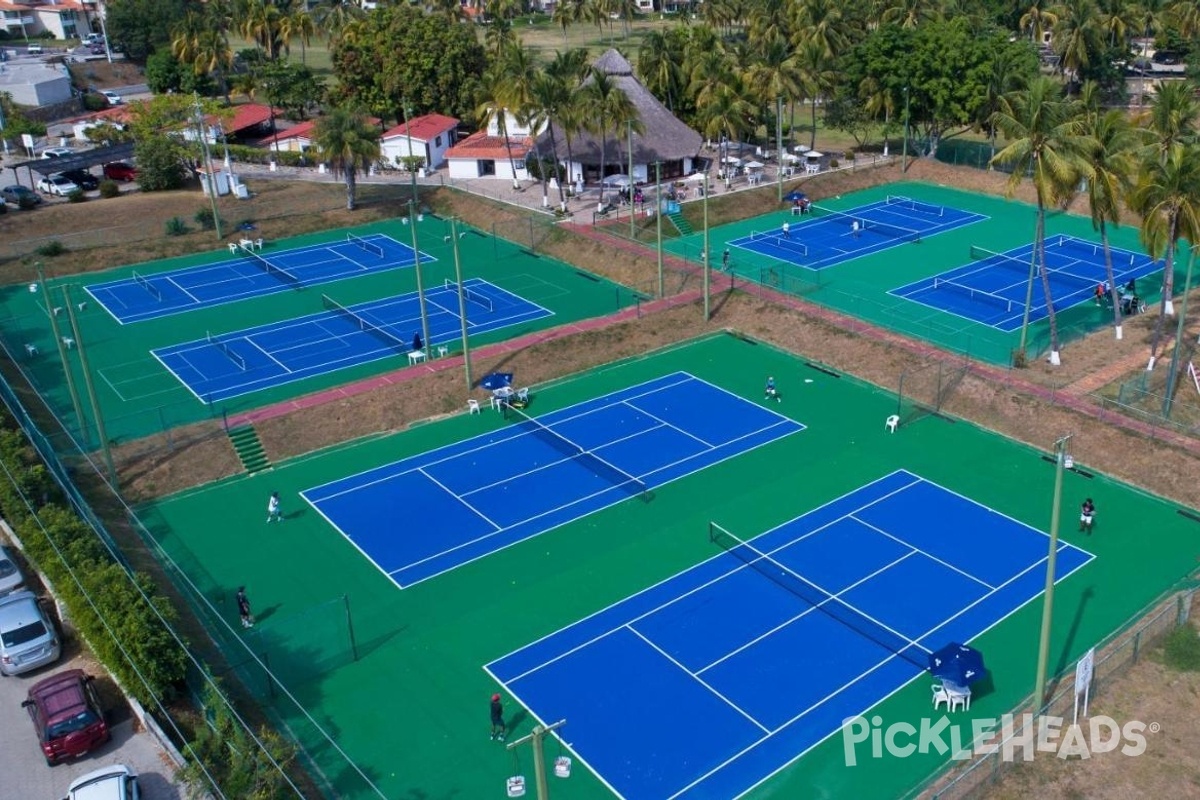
(299, 25)
(1186, 14)
(817, 77)
(197, 42)
(1046, 139)
(491, 108)
(1005, 77)
(1168, 198)
(726, 114)
(518, 74)
(348, 142)
(908, 13)
(550, 94)
(774, 73)
(572, 118)
(610, 107)
(658, 67)
(260, 22)
(1076, 34)
(567, 13)
(334, 16)
(1111, 162)
(1037, 20)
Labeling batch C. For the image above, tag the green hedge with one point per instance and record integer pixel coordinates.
(56, 538)
(265, 155)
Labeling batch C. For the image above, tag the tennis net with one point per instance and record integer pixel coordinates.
(1016, 265)
(236, 358)
(364, 325)
(606, 469)
(474, 297)
(979, 295)
(363, 244)
(885, 228)
(268, 267)
(909, 204)
(777, 240)
(833, 606)
(150, 288)
(1091, 251)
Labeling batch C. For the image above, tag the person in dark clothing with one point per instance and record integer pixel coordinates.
(417, 343)
(497, 719)
(1086, 512)
(243, 604)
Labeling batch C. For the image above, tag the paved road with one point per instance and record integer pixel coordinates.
(24, 774)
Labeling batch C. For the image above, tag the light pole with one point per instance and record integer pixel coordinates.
(212, 179)
(1173, 375)
(658, 221)
(707, 300)
(1061, 462)
(412, 218)
(412, 170)
(462, 302)
(904, 161)
(779, 145)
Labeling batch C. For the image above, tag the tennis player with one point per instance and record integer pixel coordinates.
(497, 719)
(243, 604)
(771, 391)
(787, 230)
(1086, 512)
(273, 512)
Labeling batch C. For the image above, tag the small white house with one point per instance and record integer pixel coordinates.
(487, 154)
(431, 136)
(35, 84)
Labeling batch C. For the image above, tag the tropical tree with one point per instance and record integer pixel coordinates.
(203, 44)
(658, 67)
(1111, 161)
(1076, 35)
(333, 17)
(348, 142)
(260, 21)
(1047, 140)
(299, 25)
(493, 94)
(567, 13)
(908, 13)
(1011, 69)
(611, 109)
(551, 94)
(1168, 198)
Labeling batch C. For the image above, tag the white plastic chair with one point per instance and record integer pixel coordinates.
(442, 350)
(891, 423)
(959, 697)
(523, 394)
(233, 247)
(472, 406)
(940, 695)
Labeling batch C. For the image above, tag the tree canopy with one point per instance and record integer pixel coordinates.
(400, 53)
(140, 27)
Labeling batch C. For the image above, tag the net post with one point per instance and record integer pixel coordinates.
(350, 627)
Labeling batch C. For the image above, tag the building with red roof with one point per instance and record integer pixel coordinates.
(431, 135)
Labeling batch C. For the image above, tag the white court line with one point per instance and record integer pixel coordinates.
(814, 607)
(171, 280)
(662, 423)
(460, 499)
(266, 353)
(930, 556)
(701, 681)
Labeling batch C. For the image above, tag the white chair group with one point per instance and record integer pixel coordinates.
(954, 697)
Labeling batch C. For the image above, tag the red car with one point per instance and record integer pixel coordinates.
(66, 712)
(120, 171)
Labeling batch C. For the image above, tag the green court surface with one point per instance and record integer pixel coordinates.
(395, 676)
(860, 287)
(139, 396)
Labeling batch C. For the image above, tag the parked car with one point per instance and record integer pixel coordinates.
(66, 713)
(15, 193)
(56, 152)
(19, 195)
(11, 578)
(81, 178)
(113, 98)
(28, 639)
(117, 782)
(57, 184)
(120, 171)
(93, 38)
(96, 49)
(34, 49)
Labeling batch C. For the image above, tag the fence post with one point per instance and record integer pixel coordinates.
(1137, 646)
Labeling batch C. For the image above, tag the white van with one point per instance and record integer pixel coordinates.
(93, 38)
(28, 639)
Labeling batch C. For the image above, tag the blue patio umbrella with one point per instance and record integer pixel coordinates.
(496, 380)
(958, 664)
(793, 196)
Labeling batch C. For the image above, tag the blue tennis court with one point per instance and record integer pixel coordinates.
(249, 273)
(233, 364)
(467, 500)
(827, 237)
(991, 289)
(708, 683)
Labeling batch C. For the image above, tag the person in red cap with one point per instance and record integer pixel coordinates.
(497, 719)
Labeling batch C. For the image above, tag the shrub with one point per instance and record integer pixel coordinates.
(205, 219)
(176, 226)
(833, 163)
(76, 196)
(109, 189)
(52, 248)
(1182, 649)
(27, 201)
(848, 155)
(94, 102)
(3, 208)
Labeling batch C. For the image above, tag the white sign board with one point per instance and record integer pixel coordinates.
(27, 140)
(1083, 680)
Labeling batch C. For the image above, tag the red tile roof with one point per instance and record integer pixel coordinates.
(424, 127)
(296, 131)
(481, 145)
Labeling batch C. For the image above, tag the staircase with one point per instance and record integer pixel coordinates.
(680, 223)
(249, 448)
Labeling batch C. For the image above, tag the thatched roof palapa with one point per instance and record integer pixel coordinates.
(665, 137)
